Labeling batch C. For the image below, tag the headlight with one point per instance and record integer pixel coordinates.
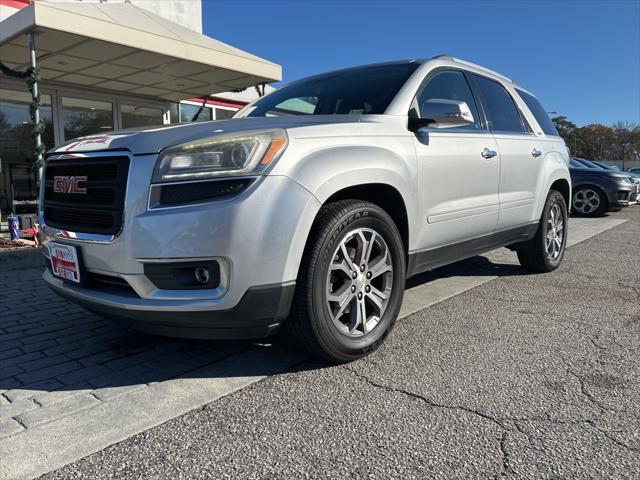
(616, 177)
(223, 155)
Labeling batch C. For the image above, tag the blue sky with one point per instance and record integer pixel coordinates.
(581, 58)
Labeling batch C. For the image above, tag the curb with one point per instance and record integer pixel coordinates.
(22, 258)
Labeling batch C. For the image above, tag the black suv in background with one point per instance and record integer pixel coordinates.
(597, 190)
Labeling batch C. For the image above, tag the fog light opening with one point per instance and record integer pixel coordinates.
(202, 275)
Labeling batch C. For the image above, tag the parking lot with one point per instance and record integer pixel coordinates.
(490, 372)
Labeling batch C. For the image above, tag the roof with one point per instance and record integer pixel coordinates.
(118, 46)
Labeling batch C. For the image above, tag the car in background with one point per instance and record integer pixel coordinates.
(634, 177)
(597, 190)
(634, 173)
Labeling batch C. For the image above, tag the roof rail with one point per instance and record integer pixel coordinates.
(470, 64)
(444, 57)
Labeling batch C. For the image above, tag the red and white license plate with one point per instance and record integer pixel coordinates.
(64, 261)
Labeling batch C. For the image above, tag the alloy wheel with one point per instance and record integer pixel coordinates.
(555, 232)
(359, 282)
(586, 201)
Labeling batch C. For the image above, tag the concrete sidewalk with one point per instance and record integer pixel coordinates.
(72, 384)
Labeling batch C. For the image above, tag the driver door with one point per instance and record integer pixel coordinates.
(458, 171)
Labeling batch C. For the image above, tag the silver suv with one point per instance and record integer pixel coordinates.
(310, 208)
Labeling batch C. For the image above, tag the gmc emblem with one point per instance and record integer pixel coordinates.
(68, 184)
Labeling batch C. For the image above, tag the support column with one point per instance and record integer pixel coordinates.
(35, 99)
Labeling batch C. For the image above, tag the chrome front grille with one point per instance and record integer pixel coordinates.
(97, 205)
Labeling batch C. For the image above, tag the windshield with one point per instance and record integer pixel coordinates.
(354, 91)
(576, 164)
(587, 163)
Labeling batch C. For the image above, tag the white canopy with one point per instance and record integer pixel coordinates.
(118, 46)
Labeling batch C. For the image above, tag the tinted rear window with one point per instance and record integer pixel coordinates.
(501, 110)
(357, 90)
(539, 112)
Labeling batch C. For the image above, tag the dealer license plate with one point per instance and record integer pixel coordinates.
(64, 261)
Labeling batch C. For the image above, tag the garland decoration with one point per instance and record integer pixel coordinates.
(32, 75)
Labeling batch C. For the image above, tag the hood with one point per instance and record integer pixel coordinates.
(153, 139)
(596, 172)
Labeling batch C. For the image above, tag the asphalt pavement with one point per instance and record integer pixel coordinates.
(526, 376)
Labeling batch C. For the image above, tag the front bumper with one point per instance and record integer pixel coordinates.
(635, 196)
(259, 313)
(257, 237)
(622, 194)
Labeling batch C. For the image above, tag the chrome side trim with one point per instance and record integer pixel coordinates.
(77, 236)
(48, 231)
(177, 259)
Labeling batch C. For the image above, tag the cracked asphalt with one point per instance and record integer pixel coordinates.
(526, 376)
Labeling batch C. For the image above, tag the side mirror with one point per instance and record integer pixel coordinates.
(441, 113)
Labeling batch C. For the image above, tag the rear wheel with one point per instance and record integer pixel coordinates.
(544, 252)
(351, 282)
(589, 201)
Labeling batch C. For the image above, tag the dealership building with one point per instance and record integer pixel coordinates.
(108, 65)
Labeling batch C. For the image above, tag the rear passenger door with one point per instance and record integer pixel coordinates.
(458, 170)
(521, 154)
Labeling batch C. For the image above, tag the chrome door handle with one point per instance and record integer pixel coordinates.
(536, 153)
(486, 153)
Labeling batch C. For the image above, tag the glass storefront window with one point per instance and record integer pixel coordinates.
(85, 117)
(18, 186)
(174, 113)
(187, 113)
(137, 116)
(222, 113)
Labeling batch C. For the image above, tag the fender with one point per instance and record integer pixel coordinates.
(328, 170)
(555, 169)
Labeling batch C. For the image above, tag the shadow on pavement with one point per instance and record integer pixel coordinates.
(472, 267)
(55, 345)
(73, 349)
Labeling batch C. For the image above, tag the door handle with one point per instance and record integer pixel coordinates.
(486, 153)
(536, 153)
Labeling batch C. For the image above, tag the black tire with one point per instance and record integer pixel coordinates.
(595, 212)
(311, 323)
(533, 254)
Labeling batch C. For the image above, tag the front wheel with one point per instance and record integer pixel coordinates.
(544, 252)
(351, 282)
(589, 202)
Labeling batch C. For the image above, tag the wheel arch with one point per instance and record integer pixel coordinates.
(383, 195)
(562, 185)
(376, 174)
(557, 178)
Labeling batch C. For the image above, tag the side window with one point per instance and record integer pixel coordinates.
(539, 113)
(451, 85)
(502, 113)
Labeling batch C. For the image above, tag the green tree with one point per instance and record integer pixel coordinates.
(618, 144)
(568, 131)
